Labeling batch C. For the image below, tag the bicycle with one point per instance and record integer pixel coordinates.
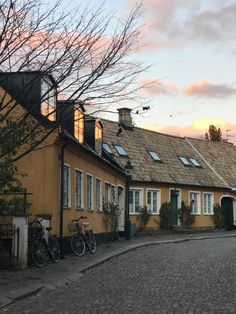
(44, 247)
(82, 239)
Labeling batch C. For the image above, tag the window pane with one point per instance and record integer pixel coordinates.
(120, 150)
(78, 189)
(98, 194)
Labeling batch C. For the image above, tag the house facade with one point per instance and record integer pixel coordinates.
(81, 166)
(165, 169)
(67, 175)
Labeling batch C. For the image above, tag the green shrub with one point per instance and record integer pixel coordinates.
(110, 217)
(144, 216)
(218, 216)
(165, 215)
(185, 215)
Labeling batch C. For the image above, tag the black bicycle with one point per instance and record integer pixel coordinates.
(82, 238)
(44, 247)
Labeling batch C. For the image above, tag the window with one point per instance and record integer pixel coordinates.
(48, 96)
(89, 192)
(79, 125)
(107, 193)
(66, 187)
(153, 201)
(195, 202)
(98, 195)
(113, 194)
(194, 162)
(184, 161)
(135, 201)
(78, 189)
(120, 150)
(107, 148)
(154, 155)
(208, 203)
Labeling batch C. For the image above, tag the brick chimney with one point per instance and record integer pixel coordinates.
(125, 118)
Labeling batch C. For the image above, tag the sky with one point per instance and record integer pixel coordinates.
(191, 47)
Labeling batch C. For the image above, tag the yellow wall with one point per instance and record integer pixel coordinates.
(88, 165)
(43, 181)
(201, 220)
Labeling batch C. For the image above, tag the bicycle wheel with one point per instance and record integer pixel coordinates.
(54, 246)
(91, 242)
(78, 245)
(39, 253)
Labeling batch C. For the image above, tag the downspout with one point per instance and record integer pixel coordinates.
(62, 190)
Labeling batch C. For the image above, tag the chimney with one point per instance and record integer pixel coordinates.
(125, 118)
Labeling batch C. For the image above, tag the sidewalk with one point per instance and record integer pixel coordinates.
(19, 284)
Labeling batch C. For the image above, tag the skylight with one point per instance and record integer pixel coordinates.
(154, 155)
(194, 162)
(120, 150)
(107, 148)
(184, 161)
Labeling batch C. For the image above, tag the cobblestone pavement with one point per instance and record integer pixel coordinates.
(187, 277)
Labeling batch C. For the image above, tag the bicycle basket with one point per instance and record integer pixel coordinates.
(73, 226)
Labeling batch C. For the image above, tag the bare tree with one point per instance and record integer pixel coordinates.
(88, 54)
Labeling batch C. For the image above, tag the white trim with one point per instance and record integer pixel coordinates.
(158, 200)
(82, 189)
(212, 205)
(199, 201)
(92, 200)
(69, 184)
(100, 180)
(141, 197)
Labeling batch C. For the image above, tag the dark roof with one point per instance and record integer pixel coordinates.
(170, 169)
(221, 156)
(108, 160)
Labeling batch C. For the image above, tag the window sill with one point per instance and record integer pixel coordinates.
(99, 211)
(208, 214)
(79, 209)
(67, 208)
(90, 210)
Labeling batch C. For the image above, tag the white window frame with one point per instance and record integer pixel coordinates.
(68, 205)
(92, 201)
(179, 198)
(212, 203)
(158, 191)
(100, 194)
(133, 189)
(198, 200)
(82, 189)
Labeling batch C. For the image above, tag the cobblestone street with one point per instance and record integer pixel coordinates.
(187, 277)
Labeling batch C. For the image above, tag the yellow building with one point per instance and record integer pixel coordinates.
(65, 176)
(167, 169)
(81, 165)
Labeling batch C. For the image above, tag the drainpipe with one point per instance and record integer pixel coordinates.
(62, 196)
(127, 216)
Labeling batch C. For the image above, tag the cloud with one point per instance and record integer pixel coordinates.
(207, 89)
(154, 87)
(175, 23)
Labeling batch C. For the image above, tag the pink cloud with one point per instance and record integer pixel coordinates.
(174, 23)
(207, 89)
(154, 87)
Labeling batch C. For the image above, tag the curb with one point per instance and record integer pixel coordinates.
(52, 283)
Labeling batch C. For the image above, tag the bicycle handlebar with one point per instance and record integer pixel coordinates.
(81, 217)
